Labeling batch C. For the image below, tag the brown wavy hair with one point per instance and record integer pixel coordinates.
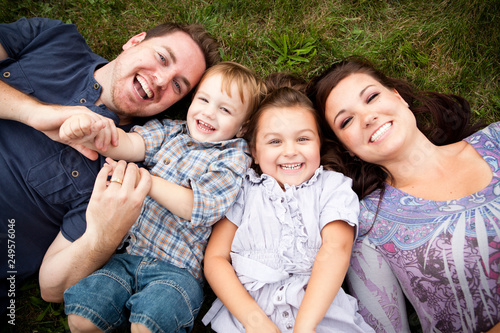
(443, 118)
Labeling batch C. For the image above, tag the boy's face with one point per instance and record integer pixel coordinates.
(213, 115)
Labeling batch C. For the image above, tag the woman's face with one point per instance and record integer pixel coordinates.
(372, 121)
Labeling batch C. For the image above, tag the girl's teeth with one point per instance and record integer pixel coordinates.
(380, 132)
(291, 166)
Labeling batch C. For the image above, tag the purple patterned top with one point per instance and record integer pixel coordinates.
(443, 255)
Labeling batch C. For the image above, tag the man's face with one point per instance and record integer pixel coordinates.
(151, 75)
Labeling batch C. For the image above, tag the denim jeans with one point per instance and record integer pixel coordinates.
(159, 295)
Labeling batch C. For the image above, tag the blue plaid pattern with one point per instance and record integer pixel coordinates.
(213, 170)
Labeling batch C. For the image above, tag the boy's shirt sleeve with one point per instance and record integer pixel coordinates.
(215, 191)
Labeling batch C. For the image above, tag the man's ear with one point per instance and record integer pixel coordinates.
(134, 40)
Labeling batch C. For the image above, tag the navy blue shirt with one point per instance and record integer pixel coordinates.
(45, 186)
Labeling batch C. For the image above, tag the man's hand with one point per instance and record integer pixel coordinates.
(116, 204)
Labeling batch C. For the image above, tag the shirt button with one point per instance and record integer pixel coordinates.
(166, 161)
(289, 326)
(279, 298)
(96, 86)
(285, 314)
(6, 74)
(83, 100)
(189, 143)
(75, 173)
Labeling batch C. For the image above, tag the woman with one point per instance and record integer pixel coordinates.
(430, 184)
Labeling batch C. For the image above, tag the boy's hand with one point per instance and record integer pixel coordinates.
(89, 132)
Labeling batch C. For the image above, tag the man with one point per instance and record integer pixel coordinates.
(45, 186)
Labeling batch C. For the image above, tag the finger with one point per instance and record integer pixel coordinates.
(145, 182)
(130, 177)
(101, 179)
(118, 171)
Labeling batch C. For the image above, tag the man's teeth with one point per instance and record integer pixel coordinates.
(144, 86)
(291, 166)
(205, 126)
(380, 132)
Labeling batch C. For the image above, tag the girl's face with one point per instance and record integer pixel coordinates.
(287, 144)
(372, 121)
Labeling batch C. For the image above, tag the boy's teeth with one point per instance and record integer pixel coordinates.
(380, 132)
(205, 125)
(291, 166)
(145, 86)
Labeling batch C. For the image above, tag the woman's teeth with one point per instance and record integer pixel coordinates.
(380, 132)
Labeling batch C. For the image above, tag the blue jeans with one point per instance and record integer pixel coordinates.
(159, 295)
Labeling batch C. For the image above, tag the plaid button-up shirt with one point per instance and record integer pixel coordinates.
(214, 171)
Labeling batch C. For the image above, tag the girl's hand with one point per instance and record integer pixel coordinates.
(261, 325)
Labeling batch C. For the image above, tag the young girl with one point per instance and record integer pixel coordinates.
(278, 259)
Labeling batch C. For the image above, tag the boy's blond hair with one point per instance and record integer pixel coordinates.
(245, 80)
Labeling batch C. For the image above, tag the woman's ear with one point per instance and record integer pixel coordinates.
(400, 97)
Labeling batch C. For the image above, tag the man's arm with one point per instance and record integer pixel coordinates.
(112, 210)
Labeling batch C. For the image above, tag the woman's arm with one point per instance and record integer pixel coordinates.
(381, 299)
(226, 285)
(328, 273)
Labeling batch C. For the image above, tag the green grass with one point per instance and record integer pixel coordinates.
(451, 46)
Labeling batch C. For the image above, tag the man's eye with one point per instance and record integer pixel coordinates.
(177, 87)
(162, 58)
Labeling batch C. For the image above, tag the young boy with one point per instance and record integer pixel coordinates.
(197, 167)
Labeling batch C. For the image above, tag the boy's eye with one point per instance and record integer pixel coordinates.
(162, 58)
(225, 110)
(274, 141)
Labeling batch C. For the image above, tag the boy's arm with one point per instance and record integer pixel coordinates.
(96, 133)
(223, 280)
(328, 273)
(176, 198)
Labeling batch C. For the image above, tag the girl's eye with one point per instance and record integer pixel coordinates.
(274, 141)
(225, 110)
(302, 139)
(345, 122)
(203, 99)
(371, 97)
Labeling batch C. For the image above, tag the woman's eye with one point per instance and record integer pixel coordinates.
(371, 97)
(345, 122)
